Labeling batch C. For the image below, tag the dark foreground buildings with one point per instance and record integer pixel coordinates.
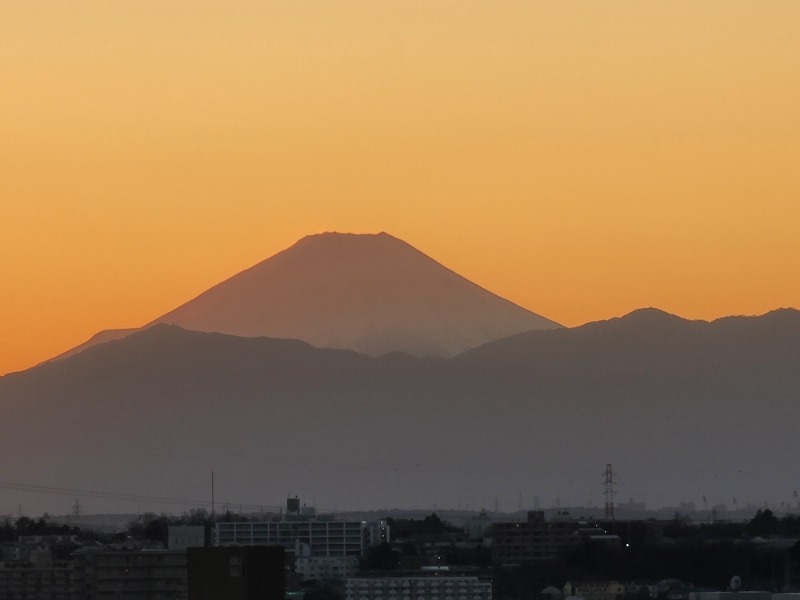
(236, 573)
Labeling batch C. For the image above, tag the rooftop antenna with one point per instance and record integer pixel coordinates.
(797, 499)
(212, 496)
(608, 491)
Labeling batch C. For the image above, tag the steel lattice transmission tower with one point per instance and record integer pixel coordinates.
(608, 491)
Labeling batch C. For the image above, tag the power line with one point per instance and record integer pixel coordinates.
(119, 496)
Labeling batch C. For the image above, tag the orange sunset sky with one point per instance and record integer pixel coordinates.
(580, 158)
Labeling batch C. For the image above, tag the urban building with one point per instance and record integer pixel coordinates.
(129, 574)
(634, 534)
(437, 585)
(33, 582)
(305, 533)
(236, 573)
(478, 527)
(740, 595)
(608, 590)
(181, 537)
(304, 538)
(537, 539)
(326, 567)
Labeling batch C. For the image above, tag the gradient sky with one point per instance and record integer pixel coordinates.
(580, 158)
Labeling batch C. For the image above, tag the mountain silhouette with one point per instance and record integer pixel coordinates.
(370, 293)
(682, 408)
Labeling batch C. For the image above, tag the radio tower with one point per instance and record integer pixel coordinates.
(608, 491)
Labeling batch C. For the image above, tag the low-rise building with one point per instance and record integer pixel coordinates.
(106, 574)
(326, 567)
(608, 590)
(181, 537)
(32, 582)
(437, 585)
(243, 573)
(536, 539)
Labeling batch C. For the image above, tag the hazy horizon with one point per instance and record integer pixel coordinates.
(169, 310)
(681, 408)
(90, 338)
(562, 162)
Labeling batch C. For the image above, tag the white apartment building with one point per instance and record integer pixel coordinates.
(305, 537)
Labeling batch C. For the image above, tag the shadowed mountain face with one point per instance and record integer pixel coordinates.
(682, 409)
(370, 293)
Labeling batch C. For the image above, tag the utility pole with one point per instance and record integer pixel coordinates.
(608, 491)
(212, 496)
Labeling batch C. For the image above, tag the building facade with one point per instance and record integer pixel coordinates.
(20, 581)
(536, 539)
(242, 573)
(305, 537)
(436, 586)
(129, 575)
(608, 590)
(326, 567)
(182, 537)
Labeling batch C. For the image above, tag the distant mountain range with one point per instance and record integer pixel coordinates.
(370, 293)
(681, 408)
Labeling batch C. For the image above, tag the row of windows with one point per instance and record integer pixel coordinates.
(324, 526)
(378, 596)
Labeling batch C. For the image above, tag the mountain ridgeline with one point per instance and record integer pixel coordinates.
(372, 293)
(682, 408)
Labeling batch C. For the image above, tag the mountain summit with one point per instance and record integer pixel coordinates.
(371, 293)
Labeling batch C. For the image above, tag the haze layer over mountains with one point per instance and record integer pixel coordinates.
(682, 408)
